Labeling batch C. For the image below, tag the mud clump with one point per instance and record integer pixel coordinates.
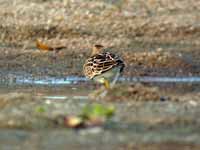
(14, 99)
(135, 92)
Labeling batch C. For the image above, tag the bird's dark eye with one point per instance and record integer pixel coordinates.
(98, 46)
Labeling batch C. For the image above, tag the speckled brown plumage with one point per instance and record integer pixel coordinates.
(101, 63)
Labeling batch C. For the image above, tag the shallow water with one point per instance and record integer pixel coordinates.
(74, 86)
(71, 80)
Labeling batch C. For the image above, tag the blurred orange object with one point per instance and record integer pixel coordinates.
(45, 47)
(73, 122)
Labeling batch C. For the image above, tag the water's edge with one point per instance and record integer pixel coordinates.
(24, 80)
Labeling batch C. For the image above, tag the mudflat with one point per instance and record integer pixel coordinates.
(155, 38)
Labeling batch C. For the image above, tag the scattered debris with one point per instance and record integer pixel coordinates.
(91, 116)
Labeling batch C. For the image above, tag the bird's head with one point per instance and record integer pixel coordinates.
(97, 49)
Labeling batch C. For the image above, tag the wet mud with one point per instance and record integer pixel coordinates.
(154, 38)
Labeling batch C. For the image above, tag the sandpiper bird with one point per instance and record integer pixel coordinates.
(103, 67)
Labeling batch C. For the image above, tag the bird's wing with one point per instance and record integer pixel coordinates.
(101, 63)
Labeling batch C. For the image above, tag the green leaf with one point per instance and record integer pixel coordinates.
(97, 110)
(40, 109)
